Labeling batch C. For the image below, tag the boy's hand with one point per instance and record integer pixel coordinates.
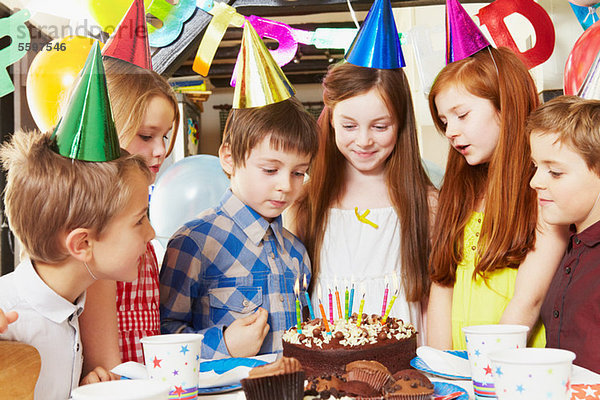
(244, 336)
(99, 374)
(6, 319)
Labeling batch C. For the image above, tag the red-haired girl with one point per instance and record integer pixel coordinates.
(492, 258)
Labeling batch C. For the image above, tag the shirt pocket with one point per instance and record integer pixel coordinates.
(236, 302)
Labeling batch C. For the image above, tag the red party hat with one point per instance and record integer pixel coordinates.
(129, 42)
(463, 37)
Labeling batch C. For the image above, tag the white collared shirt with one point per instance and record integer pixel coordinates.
(48, 322)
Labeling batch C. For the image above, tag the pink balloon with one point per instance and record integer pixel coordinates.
(581, 58)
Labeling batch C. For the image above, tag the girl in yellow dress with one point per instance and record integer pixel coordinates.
(492, 257)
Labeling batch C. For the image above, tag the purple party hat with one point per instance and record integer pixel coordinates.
(463, 37)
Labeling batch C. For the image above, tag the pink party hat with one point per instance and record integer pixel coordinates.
(129, 42)
(463, 37)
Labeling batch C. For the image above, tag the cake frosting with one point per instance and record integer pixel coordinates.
(393, 344)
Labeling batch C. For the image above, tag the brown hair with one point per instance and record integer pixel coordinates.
(48, 195)
(406, 180)
(289, 125)
(130, 89)
(508, 229)
(576, 121)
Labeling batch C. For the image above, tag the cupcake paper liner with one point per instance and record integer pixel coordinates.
(375, 379)
(275, 387)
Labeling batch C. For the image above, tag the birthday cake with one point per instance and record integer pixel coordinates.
(393, 344)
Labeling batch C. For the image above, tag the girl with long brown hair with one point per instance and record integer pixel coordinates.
(365, 213)
(492, 258)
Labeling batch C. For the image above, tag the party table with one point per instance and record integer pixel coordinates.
(580, 377)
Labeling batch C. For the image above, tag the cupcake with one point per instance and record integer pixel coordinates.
(361, 391)
(281, 380)
(372, 373)
(410, 384)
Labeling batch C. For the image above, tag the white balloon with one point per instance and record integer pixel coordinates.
(183, 190)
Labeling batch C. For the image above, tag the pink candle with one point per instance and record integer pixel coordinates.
(330, 306)
(385, 295)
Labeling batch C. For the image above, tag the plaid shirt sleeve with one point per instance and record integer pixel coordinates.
(179, 286)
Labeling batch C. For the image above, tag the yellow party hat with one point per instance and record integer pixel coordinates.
(259, 80)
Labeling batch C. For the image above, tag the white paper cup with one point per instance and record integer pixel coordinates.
(532, 373)
(483, 339)
(139, 389)
(174, 359)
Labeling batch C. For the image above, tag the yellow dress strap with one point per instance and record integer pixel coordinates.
(482, 301)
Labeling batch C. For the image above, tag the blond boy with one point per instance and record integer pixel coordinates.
(78, 221)
(565, 147)
(230, 273)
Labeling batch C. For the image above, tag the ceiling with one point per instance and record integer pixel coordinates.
(310, 63)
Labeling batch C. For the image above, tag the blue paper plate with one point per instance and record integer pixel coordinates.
(224, 365)
(221, 389)
(443, 388)
(418, 363)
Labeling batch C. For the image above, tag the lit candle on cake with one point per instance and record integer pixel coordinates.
(346, 295)
(339, 303)
(323, 315)
(389, 307)
(385, 295)
(298, 309)
(351, 301)
(310, 309)
(360, 310)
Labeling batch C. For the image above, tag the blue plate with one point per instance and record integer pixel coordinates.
(443, 388)
(418, 363)
(221, 389)
(222, 366)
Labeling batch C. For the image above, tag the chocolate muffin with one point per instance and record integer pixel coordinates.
(373, 373)
(409, 384)
(283, 379)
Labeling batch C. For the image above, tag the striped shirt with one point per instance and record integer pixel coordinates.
(223, 266)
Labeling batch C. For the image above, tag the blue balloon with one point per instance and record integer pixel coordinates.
(183, 190)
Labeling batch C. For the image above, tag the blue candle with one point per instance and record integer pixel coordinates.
(308, 303)
(351, 301)
(310, 309)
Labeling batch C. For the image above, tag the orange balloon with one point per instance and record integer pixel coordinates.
(51, 75)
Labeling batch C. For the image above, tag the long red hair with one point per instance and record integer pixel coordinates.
(407, 181)
(508, 229)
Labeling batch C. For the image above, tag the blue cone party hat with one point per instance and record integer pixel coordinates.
(376, 44)
(87, 132)
(463, 37)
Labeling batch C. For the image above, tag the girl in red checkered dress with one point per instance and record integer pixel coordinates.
(146, 116)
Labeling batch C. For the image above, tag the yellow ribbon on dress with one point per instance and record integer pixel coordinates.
(363, 218)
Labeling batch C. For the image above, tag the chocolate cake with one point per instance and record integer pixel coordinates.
(393, 344)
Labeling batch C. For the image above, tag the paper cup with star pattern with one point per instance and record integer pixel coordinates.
(174, 359)
(532, 373)
(483, 339)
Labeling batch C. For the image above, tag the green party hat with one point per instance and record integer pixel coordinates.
(87, 131)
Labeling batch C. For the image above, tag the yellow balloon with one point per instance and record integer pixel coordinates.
(51, 75)
(108, 13)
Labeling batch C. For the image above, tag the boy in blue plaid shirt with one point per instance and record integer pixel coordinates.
(230, 273)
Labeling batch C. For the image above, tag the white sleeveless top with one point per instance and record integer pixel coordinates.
(356, 253)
